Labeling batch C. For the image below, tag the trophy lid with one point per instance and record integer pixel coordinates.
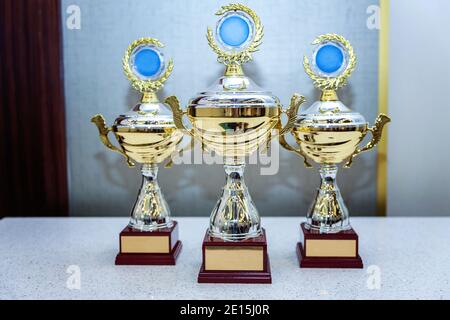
(145, 66)
(330, 115)
(333, 61)
(238, 34)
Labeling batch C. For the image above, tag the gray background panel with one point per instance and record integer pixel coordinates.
(419, 150)
(100, 182)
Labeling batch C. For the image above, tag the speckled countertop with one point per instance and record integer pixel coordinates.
(405, 258)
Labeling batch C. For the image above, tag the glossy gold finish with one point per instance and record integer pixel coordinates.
(237, 135)
(336, 144)
(295, 105)
(328, 146)
(291, 113)
(329, 95)
(178, 113)
(148, 146)
(103, 131)
(234, 70)
(149, 97)
(234, 132)
(377, 131)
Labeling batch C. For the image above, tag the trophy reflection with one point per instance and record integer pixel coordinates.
(146, 135)
(329, 133)
(233, 118)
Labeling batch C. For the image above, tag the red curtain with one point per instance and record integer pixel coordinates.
(33, 160)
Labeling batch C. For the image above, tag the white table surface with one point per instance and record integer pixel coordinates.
(412, 256)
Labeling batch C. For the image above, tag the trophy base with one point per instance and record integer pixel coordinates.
(244, 261)
(160, 247)
(338, 250)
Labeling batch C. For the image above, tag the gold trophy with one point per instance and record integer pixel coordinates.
(233, 118)
(146, 135)
(329, 133)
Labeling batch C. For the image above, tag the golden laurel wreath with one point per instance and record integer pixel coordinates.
(238, 57)
(145, 86)
(327, 83)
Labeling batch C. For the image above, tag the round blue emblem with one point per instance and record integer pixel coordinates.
(329, 58)
(234, 31)
(147, 62)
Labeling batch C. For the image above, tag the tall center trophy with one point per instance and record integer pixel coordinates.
(233, 118)
(147, 135)
(329, 133)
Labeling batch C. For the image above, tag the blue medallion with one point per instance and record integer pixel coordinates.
(329, 58)
(147, 62)
(234, 31)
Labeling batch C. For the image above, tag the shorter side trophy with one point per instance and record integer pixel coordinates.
(329, 133)
(146, 135)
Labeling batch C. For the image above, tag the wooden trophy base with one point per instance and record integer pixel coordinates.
(338, 250)
(160, 247)
(245, 261)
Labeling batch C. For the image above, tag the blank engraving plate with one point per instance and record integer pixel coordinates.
(331, 248)
(234, 259)
(142, 244)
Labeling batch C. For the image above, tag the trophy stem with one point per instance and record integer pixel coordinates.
(151, 211)
(235, 216)
(328, 213)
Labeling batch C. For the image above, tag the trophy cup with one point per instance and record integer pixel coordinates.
(329, 133)
(146, 135)
(233, 118)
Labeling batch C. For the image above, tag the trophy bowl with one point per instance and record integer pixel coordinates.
(234, 123)
(147, 140)
(329, 138)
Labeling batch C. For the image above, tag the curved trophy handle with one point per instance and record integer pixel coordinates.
(291, 113)
(288, 147)
(296, 101)
(377, 131)
(103, 131)
(178, 114)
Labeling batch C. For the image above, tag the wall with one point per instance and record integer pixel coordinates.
(100, 182)
(419, 152)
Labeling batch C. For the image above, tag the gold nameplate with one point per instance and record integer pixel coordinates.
(331, 248)
(142, 244)
(234, 259)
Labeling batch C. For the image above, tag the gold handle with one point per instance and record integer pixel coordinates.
(299, 151)
(103, 131)
(296, 101)
(291, 113)
(377, 131)
(178, 114)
